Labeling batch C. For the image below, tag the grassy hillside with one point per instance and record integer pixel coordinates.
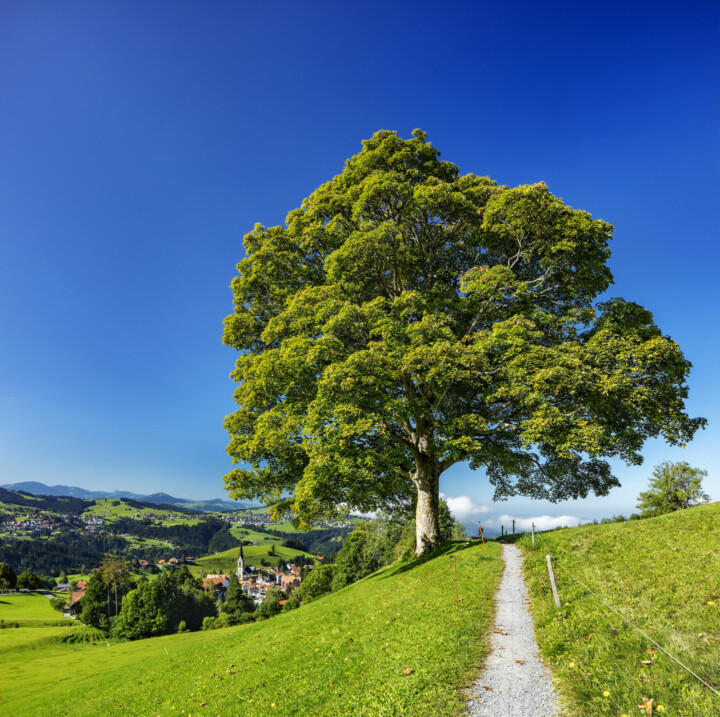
(253, 536)
(107, 509)
(226, 562)
(395, 643)
(29, 610)
(663, 574)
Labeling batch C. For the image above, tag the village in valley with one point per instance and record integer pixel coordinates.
(63, 542)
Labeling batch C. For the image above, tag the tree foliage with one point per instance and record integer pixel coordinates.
(237, 601)
(355, 560)
(96, 603)
(158, 607)
(115, 575)
(271, 603)
(8, 579)
(29, 581)
(407, 318)
(674, 486)
(317, 583)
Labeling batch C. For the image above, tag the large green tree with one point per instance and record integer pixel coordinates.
(407, 318)
(674, 486)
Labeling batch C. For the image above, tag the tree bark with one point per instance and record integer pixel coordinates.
(427, 527)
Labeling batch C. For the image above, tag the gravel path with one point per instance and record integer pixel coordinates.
(515, 683)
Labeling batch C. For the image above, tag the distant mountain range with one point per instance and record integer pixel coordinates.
(206, 506)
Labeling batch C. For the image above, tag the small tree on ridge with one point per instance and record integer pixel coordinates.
(674, 486)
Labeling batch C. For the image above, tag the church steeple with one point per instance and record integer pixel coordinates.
(240, 564)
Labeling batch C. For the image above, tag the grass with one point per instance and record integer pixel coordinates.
(395, 643)
(136, 542)
(248, 534)
(284, 526)
(663, 574)
(254, 511)
(29, 610)
(226, 562)
(104, 508)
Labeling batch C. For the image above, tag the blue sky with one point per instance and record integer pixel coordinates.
(140, 141)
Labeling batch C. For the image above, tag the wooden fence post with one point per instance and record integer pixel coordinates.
(482, 537)
(552, 580)
(513, 526)
(533, 534)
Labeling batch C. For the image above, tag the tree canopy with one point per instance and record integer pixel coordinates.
(8, 579)
(674, 486)
(407, 318)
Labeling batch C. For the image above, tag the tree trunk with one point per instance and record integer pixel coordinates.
(427, 526)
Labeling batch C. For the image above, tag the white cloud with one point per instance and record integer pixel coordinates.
(542, 522)
(463, 508)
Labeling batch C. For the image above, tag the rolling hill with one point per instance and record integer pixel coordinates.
(661, 574)
(205, 506)
(395, 643)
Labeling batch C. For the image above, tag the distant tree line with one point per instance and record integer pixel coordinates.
(68, 505)
(208, 535)
(55, 504)
(68, 551)
(322, 541)
(48, 556)
(162, 506)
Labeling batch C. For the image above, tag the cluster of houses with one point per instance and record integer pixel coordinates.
(169, 563)
(93, 523)
(45, 523)
(254, 582)
(30, 526)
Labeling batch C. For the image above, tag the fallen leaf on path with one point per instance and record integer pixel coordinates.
(520, 662)
(647, 706)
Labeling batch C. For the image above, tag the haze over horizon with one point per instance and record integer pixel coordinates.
(141, 142)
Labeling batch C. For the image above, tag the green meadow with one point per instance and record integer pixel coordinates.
(29, 610)
(250, 535)
(226, 562)
(663, 575)
(136, 542)
(105, 508)
(396, 643)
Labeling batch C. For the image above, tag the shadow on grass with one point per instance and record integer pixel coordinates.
(448, 550)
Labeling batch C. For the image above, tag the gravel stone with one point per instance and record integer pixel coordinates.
(519, 682)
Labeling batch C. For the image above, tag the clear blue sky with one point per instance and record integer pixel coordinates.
(139, 142)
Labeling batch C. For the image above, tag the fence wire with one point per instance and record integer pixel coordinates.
(617, 612)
